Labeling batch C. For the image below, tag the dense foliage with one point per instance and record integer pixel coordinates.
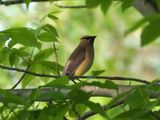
(31, 49)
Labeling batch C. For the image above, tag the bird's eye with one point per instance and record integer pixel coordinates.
(88, 38)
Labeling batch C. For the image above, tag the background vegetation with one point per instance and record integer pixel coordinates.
(27, 39)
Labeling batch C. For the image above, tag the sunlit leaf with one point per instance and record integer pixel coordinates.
(50, 29)
(24, 36)
(43, 54)
(26, 80)
(47, 37)
(29, 78)
(96, 107)
(80, 108)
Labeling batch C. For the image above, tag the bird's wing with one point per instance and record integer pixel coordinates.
(74, 61)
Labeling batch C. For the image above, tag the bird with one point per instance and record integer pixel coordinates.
(81, 59)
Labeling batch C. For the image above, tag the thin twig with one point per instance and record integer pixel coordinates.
(74, 7)
(19, 81)
(115, 102)
(24, 74)
(57, 62)
(75, 77)
(105, 107)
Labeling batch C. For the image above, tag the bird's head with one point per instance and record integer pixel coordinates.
(87, 39)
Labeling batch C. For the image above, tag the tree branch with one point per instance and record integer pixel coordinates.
(19, 81)
(76, 77)
(24, 74)
(146, 7)
(13, 2)
(93, 90)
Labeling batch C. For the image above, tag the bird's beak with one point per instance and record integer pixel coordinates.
(93, 37)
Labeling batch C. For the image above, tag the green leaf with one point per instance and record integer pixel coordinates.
(24, 36)
(110, 85)
(150, 33)
(4, 55)
(92, 3)
(21, 52)
(78, 96)
(53, 112)
(3, 36)
(105, 4)
(47, 37)
(43, 54)
(80, 108)
(126, 4)
(16, 54)
(8, 97)
(27, 2)
(51, 66)
(37, 31)
(13, 59)
(3, 39)
(139, 99)
(96, 107)
(97, 72)
(12, 43)
(50, 29)
(26, 80)
(136, 26)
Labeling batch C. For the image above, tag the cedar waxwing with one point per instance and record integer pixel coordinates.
(82, 57)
